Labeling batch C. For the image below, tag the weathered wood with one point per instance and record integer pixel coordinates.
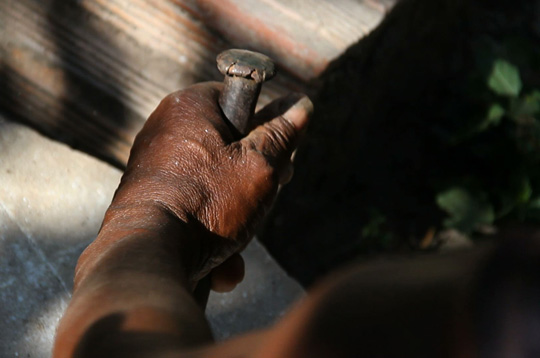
(304, 36)
(90, 72)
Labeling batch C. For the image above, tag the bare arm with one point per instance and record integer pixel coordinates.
(187, 204)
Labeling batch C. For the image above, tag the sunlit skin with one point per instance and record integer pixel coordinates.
(189, 202)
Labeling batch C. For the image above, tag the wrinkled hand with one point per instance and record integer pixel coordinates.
(187, 161)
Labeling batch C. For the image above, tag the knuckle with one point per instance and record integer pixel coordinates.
(280, 134)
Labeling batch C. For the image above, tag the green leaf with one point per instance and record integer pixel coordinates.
(466, 211)
(504, 79)
(495, 113)
(494, 116)
(517, 194)
(526, 107)
(535, 203)
(533, 210)
(526, 192)
(373, 228)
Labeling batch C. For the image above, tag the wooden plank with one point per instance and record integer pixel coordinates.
(90, 72)
(304, 36)
(98, 67)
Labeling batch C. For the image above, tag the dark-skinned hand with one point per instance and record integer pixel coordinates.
(187, 161)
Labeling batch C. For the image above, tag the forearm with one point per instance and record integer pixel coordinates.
(133, 289)
(189, 201)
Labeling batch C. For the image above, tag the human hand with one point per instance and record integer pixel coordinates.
(186, 161)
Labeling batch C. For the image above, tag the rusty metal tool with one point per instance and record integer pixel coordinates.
(244, 71)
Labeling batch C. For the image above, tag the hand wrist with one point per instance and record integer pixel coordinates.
(153, 238)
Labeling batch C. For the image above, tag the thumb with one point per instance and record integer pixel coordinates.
(282, 123)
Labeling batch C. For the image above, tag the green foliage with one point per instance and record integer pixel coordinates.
(465, 210)
(506, 143)
(504, 79)
(374, 226)
(375, 230)
(494, 116)
(525, 107)
(516, 196)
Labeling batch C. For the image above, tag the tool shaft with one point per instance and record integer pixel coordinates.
(238, 100)
(244, 71)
